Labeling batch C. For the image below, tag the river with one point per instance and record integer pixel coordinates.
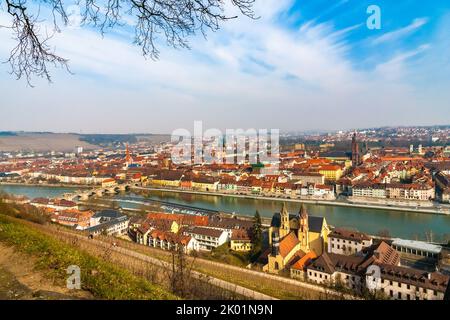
(408, 225)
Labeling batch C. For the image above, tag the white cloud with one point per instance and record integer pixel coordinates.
(400, 33)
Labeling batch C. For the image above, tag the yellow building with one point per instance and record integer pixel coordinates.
(241, 245)
(332, 172)
(205, 183)
(167, 178)
(241, 240)
(293, 236)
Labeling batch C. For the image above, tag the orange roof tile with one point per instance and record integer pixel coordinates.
(288, 243)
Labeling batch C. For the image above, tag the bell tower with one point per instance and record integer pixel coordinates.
(355, 152)
(303, 230)
(284, 223)
(128, 157)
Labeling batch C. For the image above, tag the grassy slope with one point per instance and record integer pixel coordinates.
(104, 280)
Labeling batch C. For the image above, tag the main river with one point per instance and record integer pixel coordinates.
(408, 225)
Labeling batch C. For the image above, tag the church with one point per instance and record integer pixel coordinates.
(291, 237)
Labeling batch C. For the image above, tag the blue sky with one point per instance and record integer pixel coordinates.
(306, 64)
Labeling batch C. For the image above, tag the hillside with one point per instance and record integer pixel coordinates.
(39, 142)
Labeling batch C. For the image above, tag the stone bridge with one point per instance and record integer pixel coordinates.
(98, 192)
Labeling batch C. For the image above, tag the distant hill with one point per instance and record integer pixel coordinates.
(110, 139)
(66, 142)
(39, 142)
(7, 134)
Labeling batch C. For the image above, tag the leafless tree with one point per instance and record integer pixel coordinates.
(169, 21)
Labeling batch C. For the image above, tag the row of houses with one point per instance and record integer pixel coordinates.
(193, 233)
(66, 213)
(246, 185)
(87, 179)
(398, 191)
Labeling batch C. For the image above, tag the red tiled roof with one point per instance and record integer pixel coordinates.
(304, 261)
(288, 243)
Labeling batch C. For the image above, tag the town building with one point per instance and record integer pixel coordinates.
(306, 177)
(166, 240)
(402, 283)
(347, 242)
(417, 248)
(331, 172)
(74, 218)
(350, 270)
(207, 238)
(241, 240)
(293, 236)
(109, 222)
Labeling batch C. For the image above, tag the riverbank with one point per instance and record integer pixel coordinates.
(445, 212)
(316, 202)
(406, 225)
(47, 185)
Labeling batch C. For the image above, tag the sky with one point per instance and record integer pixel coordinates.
(304, 65)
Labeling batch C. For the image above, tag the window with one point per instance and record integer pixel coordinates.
(399, 295)
(391, 293)
(408, 287)
(399, 284)
(408, 297)
(435, 292)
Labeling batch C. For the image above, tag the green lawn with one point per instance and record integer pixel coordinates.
(223, 254)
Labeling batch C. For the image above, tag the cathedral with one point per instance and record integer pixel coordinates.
(291, 237)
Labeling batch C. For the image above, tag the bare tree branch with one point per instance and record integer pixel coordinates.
(31, 55)
(172, 21)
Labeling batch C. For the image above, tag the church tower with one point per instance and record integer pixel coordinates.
(355, 152)
(128, 157)
(284, 223)
(303, 229)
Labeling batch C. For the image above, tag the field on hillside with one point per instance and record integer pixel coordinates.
(38, 142)
(100, 278)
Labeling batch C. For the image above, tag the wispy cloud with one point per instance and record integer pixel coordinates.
(400, 33)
